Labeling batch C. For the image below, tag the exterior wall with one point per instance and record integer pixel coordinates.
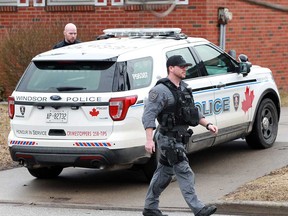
(258, 31)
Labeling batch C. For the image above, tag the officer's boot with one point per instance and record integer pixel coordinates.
(153, 212)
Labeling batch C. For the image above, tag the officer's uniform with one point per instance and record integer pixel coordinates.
(64, 43)
(160, 97)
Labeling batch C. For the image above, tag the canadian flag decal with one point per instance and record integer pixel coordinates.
(94, 112)
(249, 97)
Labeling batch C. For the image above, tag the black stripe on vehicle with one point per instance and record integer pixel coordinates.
(240, 82)
(204, 88)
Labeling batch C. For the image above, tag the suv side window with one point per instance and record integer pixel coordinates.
(140, 72)
(192, 71)
(215, 62)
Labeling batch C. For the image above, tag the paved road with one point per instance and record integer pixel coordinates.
(219, 170)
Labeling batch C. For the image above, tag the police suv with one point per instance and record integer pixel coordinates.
(81, 105)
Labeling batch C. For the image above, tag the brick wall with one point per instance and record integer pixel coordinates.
(258, 31)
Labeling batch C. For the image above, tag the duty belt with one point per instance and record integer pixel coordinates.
(184, 138)
(169, 133)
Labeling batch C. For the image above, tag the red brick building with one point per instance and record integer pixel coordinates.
(258, 28)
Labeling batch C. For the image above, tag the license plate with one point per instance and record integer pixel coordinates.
(57, 116)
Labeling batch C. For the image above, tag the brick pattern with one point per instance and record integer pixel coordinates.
(70, 8)
(8, 9)
(259, 32)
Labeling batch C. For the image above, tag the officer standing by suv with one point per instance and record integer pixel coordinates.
(172, 104)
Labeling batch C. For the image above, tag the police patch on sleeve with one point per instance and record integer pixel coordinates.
(153, 95)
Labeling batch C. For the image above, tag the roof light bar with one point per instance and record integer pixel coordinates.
(128, 32)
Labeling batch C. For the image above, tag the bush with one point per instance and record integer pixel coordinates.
(19, 46)
(1, 93)
(284, 98)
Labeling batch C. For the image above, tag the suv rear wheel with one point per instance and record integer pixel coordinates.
(265, 126)
(45, 172)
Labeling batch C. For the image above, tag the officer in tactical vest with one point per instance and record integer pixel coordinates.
(171, 102)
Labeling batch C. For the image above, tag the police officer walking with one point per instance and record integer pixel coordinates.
(171, 102)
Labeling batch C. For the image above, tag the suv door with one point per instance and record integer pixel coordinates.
(202, 92)
(229, 89)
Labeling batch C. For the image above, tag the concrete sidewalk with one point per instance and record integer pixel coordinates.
(260, 207)
(252, 208)
(224, 208)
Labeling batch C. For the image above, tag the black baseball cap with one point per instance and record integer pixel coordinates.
(177, 60)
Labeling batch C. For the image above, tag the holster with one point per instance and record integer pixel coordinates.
(174, 153)
(180, 137)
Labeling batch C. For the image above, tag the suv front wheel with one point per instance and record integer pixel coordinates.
(265, 126)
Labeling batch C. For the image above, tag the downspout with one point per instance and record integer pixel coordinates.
(223, 17)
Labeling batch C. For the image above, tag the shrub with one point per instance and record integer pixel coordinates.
(1, 93)
(19, 46)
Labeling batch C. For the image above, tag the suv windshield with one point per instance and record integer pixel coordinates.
(68, 76)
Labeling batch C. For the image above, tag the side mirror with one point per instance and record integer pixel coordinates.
(244, 68)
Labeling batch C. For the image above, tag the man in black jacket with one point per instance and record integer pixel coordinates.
(70, 36)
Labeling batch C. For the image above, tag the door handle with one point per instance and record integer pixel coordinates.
(220, 85)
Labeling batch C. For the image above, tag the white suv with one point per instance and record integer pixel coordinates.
(81, 105)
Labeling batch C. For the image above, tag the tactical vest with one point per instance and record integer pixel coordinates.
(182, 112)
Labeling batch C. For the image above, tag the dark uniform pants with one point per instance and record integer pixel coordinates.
(163, 175)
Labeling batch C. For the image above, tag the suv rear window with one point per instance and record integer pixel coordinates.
(55, 76)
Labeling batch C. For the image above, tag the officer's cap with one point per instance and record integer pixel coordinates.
(177, 60)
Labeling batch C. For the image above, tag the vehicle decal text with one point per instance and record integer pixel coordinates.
(31, 132)
(68, 99)
(140, 75)
(83, 99)
(31, 98)
(216, 106)
(86, 133)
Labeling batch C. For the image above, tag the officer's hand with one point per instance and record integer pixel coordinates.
(150, 146)
(213, 129)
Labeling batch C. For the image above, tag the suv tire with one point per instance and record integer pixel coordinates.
(265, 126)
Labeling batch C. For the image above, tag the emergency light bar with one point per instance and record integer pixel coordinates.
(128, 32)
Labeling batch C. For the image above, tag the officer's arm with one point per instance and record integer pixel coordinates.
(150, 145)
(208, 125)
